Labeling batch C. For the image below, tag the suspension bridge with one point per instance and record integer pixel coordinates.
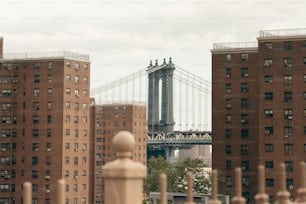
(178, 104)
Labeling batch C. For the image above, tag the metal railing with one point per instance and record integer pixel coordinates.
(234, 45)
(282, 32)
(50, 54)
(124, 181)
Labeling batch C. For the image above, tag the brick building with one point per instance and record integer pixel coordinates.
(259, 109)
(44, 125)
(107, 121)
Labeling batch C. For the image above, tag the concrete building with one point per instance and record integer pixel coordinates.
(108, 120)
(44, 125)
(259, 109)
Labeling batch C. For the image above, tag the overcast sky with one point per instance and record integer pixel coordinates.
(121, 36)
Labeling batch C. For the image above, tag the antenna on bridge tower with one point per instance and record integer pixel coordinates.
(164, 61)
(151, 64)
(170, 60)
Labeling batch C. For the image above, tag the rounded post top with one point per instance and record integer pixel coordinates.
(124, 143)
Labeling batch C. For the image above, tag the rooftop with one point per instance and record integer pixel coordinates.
(282, 33)
(46, 55)
(231, 46)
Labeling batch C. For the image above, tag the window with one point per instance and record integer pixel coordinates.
(244, 103)
(76, 133)
(67, 160)
(49, 91)
(228, 149)
(288, 97)
(289, 183)
(36, 78)
(76, 160)
(228, 133)
(76, 93)
(245, 165)
(34, 160)
(269, 164)
(268, 79)
(67, 132)
(228, 72)
(269, 182)
(268, 113)
(228, 88)
(36, 65)
(35, 146)
(304, 147)
(267, 62)
(68, 91)
(85, 93)
(85, 80)
(287, 62)
(49, 78)
(35, 132)
(49, 119)
(288, 114)
(268, 45)
(244, 56)
(304, 60)
(287, 45)
(36, 92)
(6, 92)
(85, 66)
(49, 132)
(289, 166)
(244, 87)
(304, 78)
(288, 148)
(228, 164)
(244, 133)
(35, 119)
(35, 106)
(268, 96)
(288, 79)
(244, 150)
(48, 160)
(269, 147)
(228, 118)
(228, 57)
(67, 104)
(76, 66)
(76, 79)
(49, 105)
(228, 181)
(34, 174)
(68, 63)
(244, 119)
(50, 65)
(68, 77)
(228, 103)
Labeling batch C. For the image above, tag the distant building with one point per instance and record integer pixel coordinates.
(202, 152)
(44, 125)
(108, 120)
(259, 109)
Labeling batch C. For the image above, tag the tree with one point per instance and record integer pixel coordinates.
(176, 174)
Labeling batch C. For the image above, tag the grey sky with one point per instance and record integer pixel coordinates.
(121, 36)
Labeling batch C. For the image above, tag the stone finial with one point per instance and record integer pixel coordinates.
(214, 190)
(282, 196)
(156, 62)
(61, 191)
(123, 178)
(151, 63)
(238, 199)
(261, 197)
(301, 197)
(124, 143)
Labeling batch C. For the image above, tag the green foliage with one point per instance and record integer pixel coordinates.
(176, 175)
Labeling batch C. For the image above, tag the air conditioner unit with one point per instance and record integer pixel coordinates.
(268, 81)
(286, 135)
(228, 90)
(266, 64)
(288, 65)
(47, 177)
(289, 117)
(48, 149)
(243, 121)
(228, 75)
(47, 190)
(290, 187)
(267, 132)
(246, 75)
(3, 149)
(228, 106)
(75, 177)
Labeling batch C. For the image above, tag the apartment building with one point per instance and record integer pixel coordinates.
(259, 109)
(109, 119)
(44, 132)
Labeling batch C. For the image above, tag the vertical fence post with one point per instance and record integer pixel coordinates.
(238, 199)
(27, 193)
(214, 190)
(123, 178)
(301, 198)
(189, 199)
(282, 196)
(60, 191)
(261, 197)
(163, 188)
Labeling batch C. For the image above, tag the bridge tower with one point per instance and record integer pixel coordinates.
(163, 72)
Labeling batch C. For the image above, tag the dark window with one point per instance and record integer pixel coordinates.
(244, 87)
(244, 56)
(34, 174)
(268, 96)
(288, 114)
(244, 72)
(287, 45)
(228, 72)
(244, 119)
(268, 79)
(228, 164)
(245, 165)
(269, 164)
(244, 133)
(228, 103)
(34, 160)
(289, 166)
(228, 133)
(36, 78)
(268, 113)
(289, 183)
(228, 149)
(228, 88)
(268, 45)
(288, 148)
(244, 103)
(288, 130)
(244, 150)
(269, 182)
(288, 97)
(269, 147)
(49, 119)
